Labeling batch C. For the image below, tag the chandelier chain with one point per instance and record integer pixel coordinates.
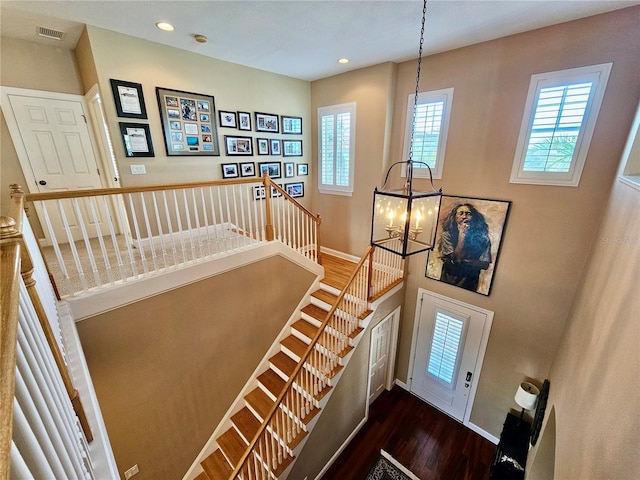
(415, 99)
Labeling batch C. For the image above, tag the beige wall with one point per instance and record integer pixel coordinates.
(166, 369)
(346, 407)
(233, 87)
(550, 229)
(595, 385)
(32, 66)
(346, 220)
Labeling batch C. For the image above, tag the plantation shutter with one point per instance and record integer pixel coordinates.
(426, 132)
(445, 347)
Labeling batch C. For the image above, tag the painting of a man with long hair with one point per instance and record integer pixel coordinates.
(467, 242)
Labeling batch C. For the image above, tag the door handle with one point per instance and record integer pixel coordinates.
(42, 182)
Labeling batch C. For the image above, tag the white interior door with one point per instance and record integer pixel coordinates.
(379, 358)
(449, 345)
(54, 145)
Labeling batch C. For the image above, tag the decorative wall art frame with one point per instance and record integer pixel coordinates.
(262, 145)
(289, 169)
(275, 147)
(267, 122)
(129, 99)
(270, 168)
(292, 148)
(248, 169)
(482, 221)
(195, 115)
(275, 192)
(259, 192)
(230, 170)
(136, 139)
(294, 189)
(227, 119)
(238, 145)
(244, 121)
(303, 169)
(291, 125)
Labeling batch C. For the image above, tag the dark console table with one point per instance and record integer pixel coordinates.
(511, 456)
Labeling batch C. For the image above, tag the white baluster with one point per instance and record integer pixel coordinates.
(183, 247)
(136, 228)
(103, 249)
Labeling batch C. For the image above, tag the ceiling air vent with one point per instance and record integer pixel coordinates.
(50, 33)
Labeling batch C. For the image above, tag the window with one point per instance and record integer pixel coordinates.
(559, 119)
(336, 135)
(433, 111)
(445, 347)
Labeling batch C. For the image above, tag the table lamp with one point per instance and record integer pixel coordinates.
(526, 397)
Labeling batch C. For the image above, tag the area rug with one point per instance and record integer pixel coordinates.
(388, 468)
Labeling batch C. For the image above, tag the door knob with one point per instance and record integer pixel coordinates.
(42, 182)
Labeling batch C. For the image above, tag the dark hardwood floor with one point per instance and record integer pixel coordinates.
(426, 441)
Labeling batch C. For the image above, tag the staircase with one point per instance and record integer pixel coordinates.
(295, 416)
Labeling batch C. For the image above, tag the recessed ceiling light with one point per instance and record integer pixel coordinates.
(167, 27)
(343, 60)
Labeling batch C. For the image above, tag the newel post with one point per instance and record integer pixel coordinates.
(266, 180)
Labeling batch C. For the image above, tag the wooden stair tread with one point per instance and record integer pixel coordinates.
(315, 312)
(232, 445)
(309, 330)
(204, 476)
(324, 296)
(246, 423)
(260, 402)
(295, 345)
(216, 467)
(272, 382)
(284, 363)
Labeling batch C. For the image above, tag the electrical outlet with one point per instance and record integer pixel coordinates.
(138, 169)
(131, 472)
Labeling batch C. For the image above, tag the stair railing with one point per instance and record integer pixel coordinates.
(284, 426)
(41, 415)
(97, 238)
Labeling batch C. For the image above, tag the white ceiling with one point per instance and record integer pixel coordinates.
(304, 38)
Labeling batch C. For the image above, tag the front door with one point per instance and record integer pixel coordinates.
(51, 136)
(448, 351)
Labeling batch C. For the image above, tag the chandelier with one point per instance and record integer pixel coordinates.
(404, 221)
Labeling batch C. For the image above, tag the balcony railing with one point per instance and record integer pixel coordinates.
(97, 238)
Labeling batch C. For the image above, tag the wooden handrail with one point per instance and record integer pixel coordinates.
(10, 249)
(31, 197)
(315, 218)
(289, 384)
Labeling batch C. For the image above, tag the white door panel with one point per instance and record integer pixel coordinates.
(447, 353)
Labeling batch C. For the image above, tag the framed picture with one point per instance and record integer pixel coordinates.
(267, 122)
(291, 125)
(270, 168)
(129, 99)
(136, 139)
(303, 169)
(227, 119)
(275, 147)
(193, 115)
(292, 148)
(244, 121)
(263, 146)
(468, 238)
(230, 170)
(275, 192)
(248, 169)
(259, 192)
(289, 170)
(238, 145)
(294, 189)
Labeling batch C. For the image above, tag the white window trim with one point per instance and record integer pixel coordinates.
(599, 74)
(445, 95)
(334, 109)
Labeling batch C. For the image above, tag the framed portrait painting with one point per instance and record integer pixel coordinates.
(468, 239)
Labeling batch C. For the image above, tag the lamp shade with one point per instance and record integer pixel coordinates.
(527, 395)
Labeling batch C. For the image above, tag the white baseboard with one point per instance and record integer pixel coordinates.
(336, 253)
(342, 447)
